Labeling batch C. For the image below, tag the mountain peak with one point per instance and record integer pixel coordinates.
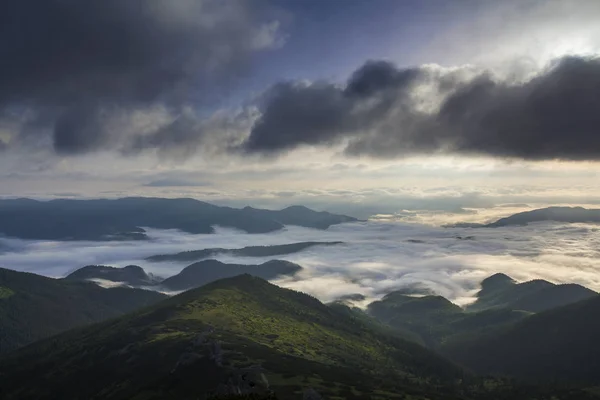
(206, 271)
(496, 281)
(297, 208)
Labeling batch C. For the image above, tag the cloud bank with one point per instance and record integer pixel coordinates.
(386, 112)
(85, 75)
(137, 76)
(377, 256)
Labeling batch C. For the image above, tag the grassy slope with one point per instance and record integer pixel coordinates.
(297, 339)
(435, 320)
(556, 345)
(33, 307)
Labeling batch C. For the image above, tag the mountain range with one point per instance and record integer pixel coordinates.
(501, 291)
(125, 219)
(558, 345)
(248, 251)
(557, 214)
(244, 336)
(190, 277)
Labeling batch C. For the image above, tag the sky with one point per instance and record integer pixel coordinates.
(368, 107)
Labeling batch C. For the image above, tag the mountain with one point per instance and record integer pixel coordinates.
(500, 302)
(244, 338)
(299, 215)
(559, 214)
(203, 272)
(33, 307)
(362, 317)
(124, 219)
(559, 345)
(192, 276)
(434, 319)
(501, 291)
(248, 251)
(240, 334)
(131, 275)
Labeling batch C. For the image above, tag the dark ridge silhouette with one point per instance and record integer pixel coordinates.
(559, 345)
(248, 251)
(501, 291)
(124, 219)
(131, 275)
(34, 307)
(203, 272)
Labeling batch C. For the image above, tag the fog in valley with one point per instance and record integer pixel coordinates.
(376, 257)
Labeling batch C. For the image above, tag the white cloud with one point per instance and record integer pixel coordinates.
(377, 257)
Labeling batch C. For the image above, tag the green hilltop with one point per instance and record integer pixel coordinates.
(33, 307)
(293, 337)
(243, 335)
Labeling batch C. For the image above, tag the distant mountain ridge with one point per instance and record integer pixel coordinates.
(124, 219)
(558, 214)
(248, 251)
(131, 275)
(204, 272)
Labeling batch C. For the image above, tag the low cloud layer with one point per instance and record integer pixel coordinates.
(377, 257)
(385, 111)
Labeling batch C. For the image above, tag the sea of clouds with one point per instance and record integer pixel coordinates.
(376, 257)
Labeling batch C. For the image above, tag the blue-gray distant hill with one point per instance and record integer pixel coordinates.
(123, 219)
(558, 214)
(248, 251)
(203, 272)
(192, 276)
(131, 275)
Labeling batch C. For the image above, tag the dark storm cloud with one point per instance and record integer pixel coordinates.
(556, 115)
(69, 65)
(379, 112)
(299, 113)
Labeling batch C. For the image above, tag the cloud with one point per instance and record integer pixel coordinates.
(173, 182)
(296, 113)
(388, 112)
(72, 70)
(376, 257)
